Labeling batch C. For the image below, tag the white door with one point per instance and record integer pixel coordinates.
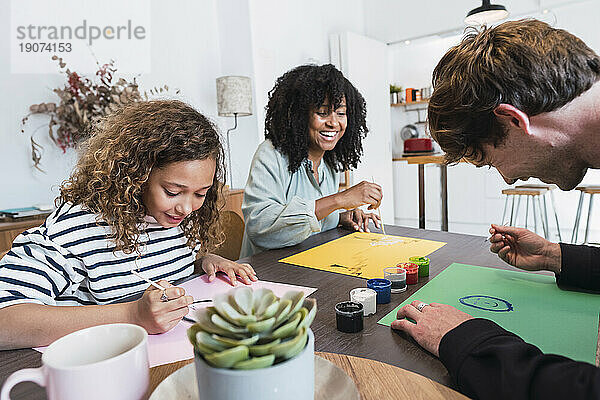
(364, 62)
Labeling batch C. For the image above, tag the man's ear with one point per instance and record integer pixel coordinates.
(511, 116)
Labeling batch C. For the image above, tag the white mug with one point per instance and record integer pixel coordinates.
(101, 362)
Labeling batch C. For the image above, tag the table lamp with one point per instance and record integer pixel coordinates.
(234, 98)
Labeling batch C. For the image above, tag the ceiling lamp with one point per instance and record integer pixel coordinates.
(486, 14)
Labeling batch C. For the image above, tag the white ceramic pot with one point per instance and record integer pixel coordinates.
(291, 379)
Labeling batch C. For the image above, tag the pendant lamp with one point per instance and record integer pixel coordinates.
(486, 14)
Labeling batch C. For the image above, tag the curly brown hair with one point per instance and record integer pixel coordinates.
(525, 63)
(299, 92)
(117, 159)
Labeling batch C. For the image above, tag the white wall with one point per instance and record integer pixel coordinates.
(192, 43)
(21, 185)
(184, 54)
(475, 198)
(364, 62)
(286, 34)
(393, 20)
(235, 43)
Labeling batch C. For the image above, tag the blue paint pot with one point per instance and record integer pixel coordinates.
(383, 287)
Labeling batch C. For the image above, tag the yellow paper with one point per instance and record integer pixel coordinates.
(363, 254)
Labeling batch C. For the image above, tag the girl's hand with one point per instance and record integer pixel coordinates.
(157, 316)
(212, 263)
(358, 220)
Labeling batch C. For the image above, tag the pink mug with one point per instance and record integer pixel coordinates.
(101, 362)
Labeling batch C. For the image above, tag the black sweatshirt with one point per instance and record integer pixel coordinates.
(488, 362)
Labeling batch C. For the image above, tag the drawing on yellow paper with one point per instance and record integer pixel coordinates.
(363, 254)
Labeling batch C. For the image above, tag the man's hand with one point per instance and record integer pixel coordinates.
(524, 249)
(432, 323)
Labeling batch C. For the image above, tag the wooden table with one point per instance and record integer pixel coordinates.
(374, 380)
(375, 342)
(421, 161)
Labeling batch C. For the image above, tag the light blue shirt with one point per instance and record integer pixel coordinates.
(278, 206)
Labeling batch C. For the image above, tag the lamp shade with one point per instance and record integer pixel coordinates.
(486, 14)
(234, 96)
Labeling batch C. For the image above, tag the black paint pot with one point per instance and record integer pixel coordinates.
(349, 316)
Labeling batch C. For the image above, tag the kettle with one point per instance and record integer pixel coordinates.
(409, 131)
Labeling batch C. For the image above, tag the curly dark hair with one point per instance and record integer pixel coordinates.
(117, 159)
(299, 92)
(526, 63)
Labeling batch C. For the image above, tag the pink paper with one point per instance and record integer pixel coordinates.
(174, 345)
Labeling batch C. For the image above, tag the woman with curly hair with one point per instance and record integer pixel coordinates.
(315, 123)
(142, 202)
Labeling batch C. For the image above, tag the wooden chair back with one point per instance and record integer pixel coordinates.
(233, 225)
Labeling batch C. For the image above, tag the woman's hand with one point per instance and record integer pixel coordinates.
(364, 193)
(212, 263)
(524, 249)
(156, 315)
(358, 220)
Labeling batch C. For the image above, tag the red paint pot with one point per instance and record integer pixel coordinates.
(412, 272)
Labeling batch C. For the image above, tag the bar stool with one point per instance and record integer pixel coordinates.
(550, 188)
(584, 189)
(535, 195)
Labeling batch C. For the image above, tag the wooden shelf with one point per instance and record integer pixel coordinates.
(437, 158)
(423, 102)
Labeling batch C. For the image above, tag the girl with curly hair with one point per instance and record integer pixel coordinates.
(142, 202)
(314, 126)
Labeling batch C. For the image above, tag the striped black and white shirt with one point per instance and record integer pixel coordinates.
(70, 260)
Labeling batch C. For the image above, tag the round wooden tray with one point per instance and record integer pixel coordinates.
(375, 380)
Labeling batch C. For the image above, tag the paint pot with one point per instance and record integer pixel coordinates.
(412, 272)
(423, 263)
(397, 276)
(349, 316)
(367, 297)
(383, 287)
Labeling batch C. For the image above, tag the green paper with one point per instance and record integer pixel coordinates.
(557, 321)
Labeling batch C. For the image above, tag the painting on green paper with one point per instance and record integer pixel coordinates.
(530, 305)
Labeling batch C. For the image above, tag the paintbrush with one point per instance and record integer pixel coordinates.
(201, 301)
(379, 212)
(380, 220)
(487, 240)
(156, 285)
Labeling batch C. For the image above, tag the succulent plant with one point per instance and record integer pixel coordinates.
(250, 329)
